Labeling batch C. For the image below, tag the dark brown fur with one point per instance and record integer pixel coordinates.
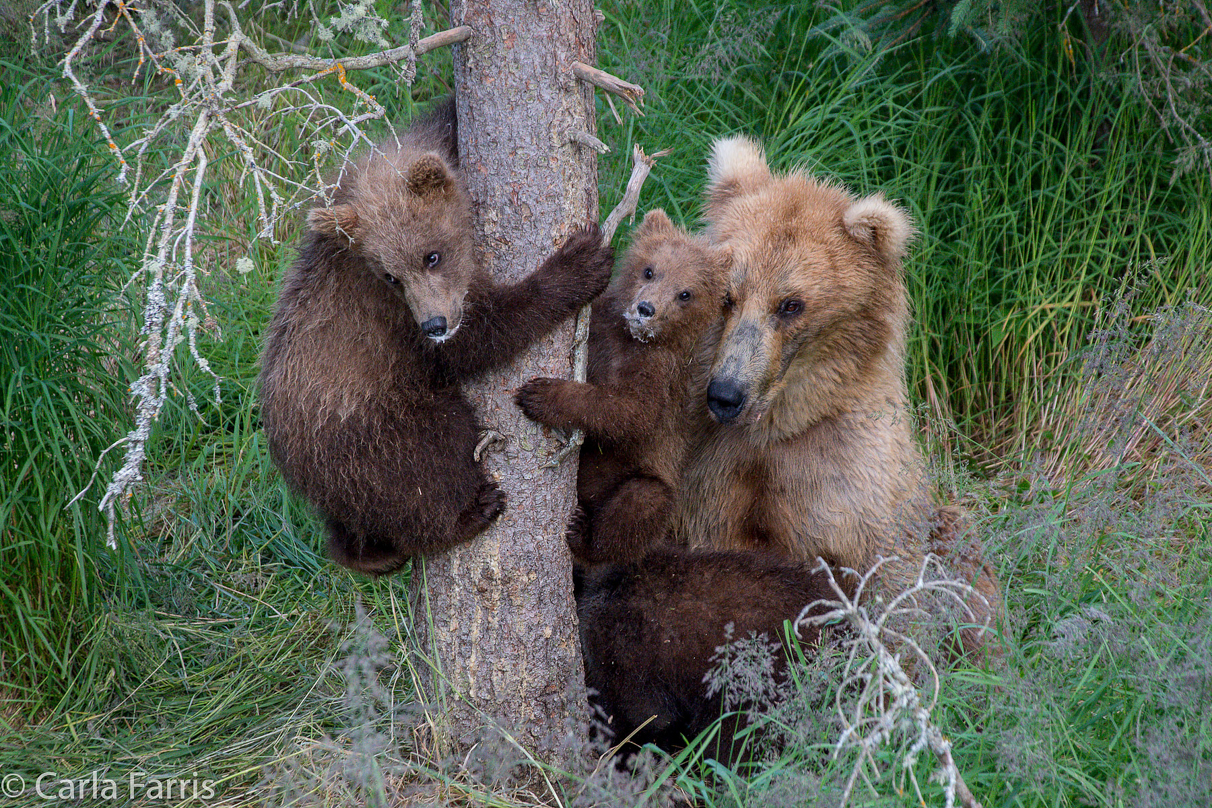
(362, 407)
(642, 340)
(650, 630)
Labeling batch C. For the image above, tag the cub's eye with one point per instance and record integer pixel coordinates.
(648, 273)
(392, 279)
(790, 306)
(432, 260)
(729, 301)
(685, 295)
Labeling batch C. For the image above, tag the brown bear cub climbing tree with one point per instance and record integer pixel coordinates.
(385, 311)
(642, 338)
(809, 451)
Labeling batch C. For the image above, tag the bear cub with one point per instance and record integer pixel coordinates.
(650, 630)
(633, 408)
(382, 315)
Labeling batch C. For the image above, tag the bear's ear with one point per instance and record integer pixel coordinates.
(656, 221)
(737, 164)
(339, 220)
(880, 224)
(721, 255)
(429, 175)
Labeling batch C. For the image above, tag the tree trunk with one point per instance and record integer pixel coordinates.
(497, 615)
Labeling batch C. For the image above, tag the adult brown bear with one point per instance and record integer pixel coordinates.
(805, 447)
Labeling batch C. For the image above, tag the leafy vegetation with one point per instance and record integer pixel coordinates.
(1061, 358)
(64, 353)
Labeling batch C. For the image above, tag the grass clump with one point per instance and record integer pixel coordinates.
(65, 353)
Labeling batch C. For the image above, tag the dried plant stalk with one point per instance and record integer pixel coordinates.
(889, 707)
(643, 164)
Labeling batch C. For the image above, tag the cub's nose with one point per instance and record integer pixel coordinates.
(725, 399)
(645, 309)
(434, 327)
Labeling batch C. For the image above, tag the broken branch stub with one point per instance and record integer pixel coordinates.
(632, 94)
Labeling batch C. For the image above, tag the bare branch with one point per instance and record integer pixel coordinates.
(632, 94)
(641, 165)
(279, 62)
(888, 707)
(81, 90)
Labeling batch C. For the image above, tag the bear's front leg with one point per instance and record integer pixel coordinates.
(577, 273)
(599, 410)
(557, 403)
(502, 321)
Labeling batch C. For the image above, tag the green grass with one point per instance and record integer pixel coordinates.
(213, 642)
(65, 347)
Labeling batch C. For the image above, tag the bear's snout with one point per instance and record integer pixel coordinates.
(645, 309)
(725, 399)
(434, 327)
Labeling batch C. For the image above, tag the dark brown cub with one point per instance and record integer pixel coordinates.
(381, 317)
(633, 408)
(650, 630)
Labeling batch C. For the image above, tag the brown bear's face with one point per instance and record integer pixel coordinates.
(670, 279)
(814, 292)
(410, 220)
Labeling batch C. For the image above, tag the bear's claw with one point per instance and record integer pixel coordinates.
(587, 259)
(577, 534)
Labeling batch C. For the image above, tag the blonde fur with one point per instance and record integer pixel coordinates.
(736, 157)
(806, 446)
(875, 221)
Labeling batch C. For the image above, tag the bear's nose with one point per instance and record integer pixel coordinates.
(434, 327)
(726, 399)
(645, 309)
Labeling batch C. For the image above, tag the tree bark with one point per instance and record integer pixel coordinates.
(497, 615)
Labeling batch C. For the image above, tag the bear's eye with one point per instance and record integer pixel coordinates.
(729, 301)
(647, 273)
(790, 306)
(685, 295)
(392, 279)
(432, 260)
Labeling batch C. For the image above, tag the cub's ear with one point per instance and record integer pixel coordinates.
(656, 221)
(737, 164)
(430, 175)
(339, 220)
(878, 223)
